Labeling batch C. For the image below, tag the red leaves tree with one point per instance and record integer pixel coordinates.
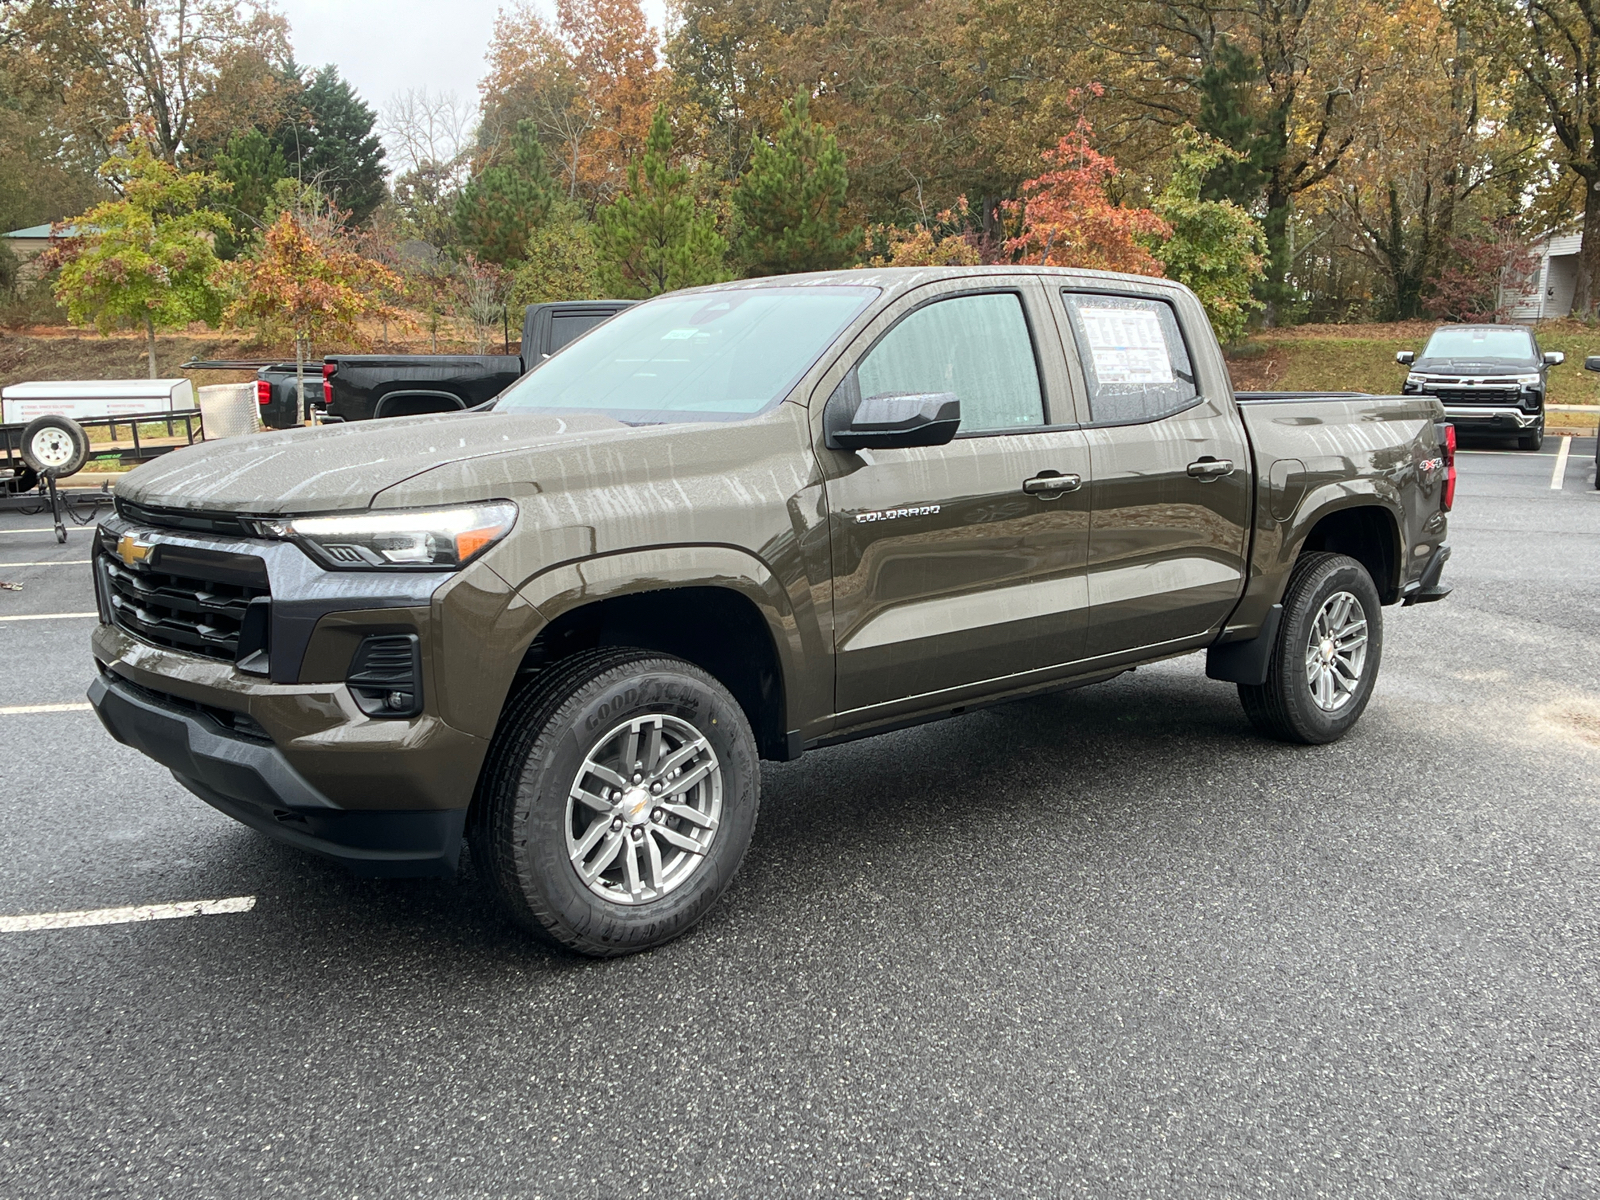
(1068, 219)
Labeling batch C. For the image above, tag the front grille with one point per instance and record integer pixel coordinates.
(1502, 397)
(189, 600)
(172, 518)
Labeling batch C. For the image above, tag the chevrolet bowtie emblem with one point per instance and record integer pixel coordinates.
(131, 550)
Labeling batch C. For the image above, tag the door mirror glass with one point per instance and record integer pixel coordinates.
(1406, 357)
(893, 420)
(1592, 363)
(1554, 358)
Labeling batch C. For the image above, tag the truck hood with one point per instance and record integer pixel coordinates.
(1473, 368)
(341, 467)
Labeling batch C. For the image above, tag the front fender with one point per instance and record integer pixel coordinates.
(568, 586)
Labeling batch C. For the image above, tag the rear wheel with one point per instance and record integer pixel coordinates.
(1330, 642)
(617, 802)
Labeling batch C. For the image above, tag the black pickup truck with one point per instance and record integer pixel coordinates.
(1491, 379)
(360, 387)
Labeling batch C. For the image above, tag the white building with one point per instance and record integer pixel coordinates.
(1549, 291)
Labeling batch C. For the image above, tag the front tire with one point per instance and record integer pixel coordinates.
(1325, 662)
(1531, 441)
(617, 801)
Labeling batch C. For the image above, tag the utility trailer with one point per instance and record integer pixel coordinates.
(34, 456)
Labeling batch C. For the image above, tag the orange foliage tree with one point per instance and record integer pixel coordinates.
(588, 82)
(313, 288)
(1068, 219)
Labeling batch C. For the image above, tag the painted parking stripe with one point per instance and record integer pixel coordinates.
(22, 710)
(60, 562)
(37, 532)
(1559, 474)
(50, 616)
(126, 916)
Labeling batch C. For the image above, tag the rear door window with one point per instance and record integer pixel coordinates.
(977, 346)
(1135, 363)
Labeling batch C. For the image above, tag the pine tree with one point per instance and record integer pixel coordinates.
(651, 239)
(502, 205)
(792, 199)
(329, 143)
(251, 165)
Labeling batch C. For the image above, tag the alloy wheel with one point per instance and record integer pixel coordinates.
(1336, 651)
(644, 809)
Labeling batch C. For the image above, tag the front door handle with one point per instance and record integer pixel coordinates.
(1050, 486)
(1209, 468)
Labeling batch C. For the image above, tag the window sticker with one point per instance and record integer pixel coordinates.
(1127, 345)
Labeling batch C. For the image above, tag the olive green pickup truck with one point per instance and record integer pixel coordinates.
(737, 523)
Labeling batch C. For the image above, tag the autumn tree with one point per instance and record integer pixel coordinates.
(190, 69)
(561, 262)
(1552, 49)
(734, 64)
(588, 82)
(307, 285)
(792, 199)
(145, 257)
(1214, 247)
(1067, 219)
(654, 237)
(503, 204)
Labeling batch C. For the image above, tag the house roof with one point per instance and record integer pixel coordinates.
(41, 231)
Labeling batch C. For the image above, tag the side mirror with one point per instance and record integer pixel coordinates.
(1554, 358)
(895, 420)
(1406, 357)
(1592, 363)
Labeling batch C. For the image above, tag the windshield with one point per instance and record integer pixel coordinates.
(1479, 345)
(704, 356)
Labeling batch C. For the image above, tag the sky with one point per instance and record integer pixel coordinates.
(384, 47)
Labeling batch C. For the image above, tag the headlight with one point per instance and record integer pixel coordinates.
(437, 538)
(1527, 380)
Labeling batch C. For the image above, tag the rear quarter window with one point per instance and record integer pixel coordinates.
(1135, 364)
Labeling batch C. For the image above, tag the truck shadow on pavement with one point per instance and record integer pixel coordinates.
(952, 792)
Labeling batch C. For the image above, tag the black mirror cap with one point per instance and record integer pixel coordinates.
(1554, 358)
(895, 420)
(1592, 363)
(1405, 357)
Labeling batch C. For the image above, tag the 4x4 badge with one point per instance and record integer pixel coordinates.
(131, 550)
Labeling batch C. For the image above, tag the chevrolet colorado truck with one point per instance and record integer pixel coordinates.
(1491, 379)
(361, 387)
(734, 523)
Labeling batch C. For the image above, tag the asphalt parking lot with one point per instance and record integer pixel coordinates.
(1105, 943)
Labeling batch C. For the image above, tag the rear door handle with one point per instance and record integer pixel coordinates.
(1208, 469)
(1050, 486)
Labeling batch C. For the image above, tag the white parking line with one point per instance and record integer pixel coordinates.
(126, 916)
(1557, 475)
(49, 616)
(60, 562)
(19, 710)
(47, 529)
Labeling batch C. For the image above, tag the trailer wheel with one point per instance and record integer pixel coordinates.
(55, 447)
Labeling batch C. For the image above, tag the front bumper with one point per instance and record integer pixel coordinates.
(1483, 416)
(252, 781)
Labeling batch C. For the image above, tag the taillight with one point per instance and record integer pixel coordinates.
(1449, 496)
(328, 368)
(263, 392)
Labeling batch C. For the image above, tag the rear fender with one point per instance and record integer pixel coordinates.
(1278, 543)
